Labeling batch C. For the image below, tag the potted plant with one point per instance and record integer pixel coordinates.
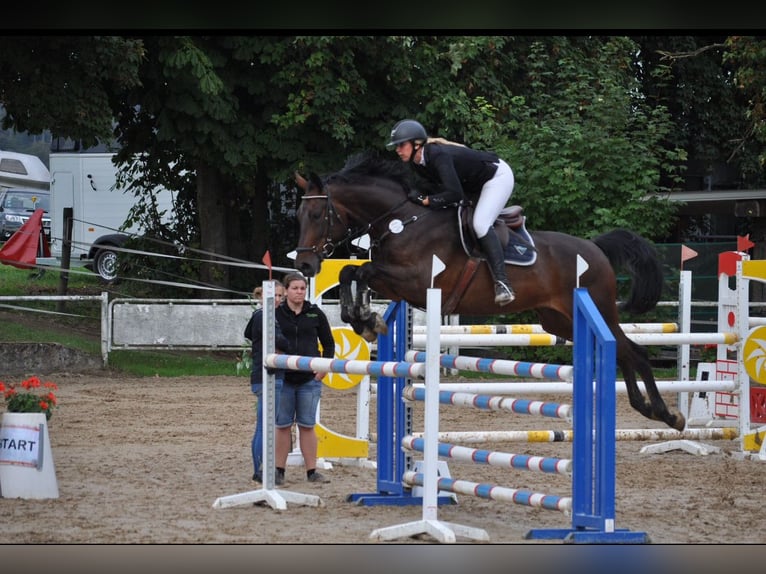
(33, 397)
(26, 459)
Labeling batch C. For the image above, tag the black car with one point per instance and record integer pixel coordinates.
(18, 205)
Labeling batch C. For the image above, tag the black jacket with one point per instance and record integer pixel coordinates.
(254, 332)
(458, 172)
(304, 331)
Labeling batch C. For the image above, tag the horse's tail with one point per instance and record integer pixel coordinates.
(625, 249)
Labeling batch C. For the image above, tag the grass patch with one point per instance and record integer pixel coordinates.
(79, 327)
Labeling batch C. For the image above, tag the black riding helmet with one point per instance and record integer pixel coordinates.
(406, 130)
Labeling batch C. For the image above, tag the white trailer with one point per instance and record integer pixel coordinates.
(22, 170)
(87, 183)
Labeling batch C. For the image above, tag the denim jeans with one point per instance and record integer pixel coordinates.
(257, 444)
(299, 403)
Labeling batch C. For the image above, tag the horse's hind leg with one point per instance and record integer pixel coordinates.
(633, 358)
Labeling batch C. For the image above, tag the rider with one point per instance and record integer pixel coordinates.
(461, 171)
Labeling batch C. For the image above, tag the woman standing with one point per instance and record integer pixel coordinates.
(305, 326)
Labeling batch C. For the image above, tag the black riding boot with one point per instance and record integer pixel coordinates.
(490, 244)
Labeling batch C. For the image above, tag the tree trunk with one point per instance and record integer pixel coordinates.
(213, 222)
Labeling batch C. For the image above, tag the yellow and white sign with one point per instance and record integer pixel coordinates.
(348, 346)
(754, 354)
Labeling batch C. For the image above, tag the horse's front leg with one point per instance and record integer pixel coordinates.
(362, 307)
(356, 310)
(347, 309)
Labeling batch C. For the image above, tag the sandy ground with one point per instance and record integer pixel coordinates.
(142, 460)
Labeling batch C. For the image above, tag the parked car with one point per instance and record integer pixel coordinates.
(18, 205)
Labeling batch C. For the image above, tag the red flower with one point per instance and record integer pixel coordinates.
(30, 400)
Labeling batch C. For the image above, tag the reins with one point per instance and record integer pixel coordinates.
(329, 246)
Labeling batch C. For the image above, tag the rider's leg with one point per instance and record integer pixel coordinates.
(490, 244)
(493, 197)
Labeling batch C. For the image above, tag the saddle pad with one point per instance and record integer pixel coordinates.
(519, 250)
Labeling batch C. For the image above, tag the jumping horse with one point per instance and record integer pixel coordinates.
(369, 196)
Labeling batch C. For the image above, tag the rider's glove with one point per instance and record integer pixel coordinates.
(415, 197)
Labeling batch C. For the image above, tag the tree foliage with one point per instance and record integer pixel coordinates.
(63, 83)
(591, 125)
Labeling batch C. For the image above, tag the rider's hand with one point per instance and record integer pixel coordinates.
(415, 197)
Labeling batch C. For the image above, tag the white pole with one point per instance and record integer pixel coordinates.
(431, 427)
(268, 404)
(684, 322)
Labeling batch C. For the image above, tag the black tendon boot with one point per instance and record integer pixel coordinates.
(490, 244)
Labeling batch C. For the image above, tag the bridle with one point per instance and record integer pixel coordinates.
(332, 217)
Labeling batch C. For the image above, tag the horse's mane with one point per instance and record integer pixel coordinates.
(364, 165)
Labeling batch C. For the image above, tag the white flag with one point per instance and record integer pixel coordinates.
(582, 267)
(437, 266)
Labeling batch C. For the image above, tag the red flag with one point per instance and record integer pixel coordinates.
(744, 243)
(29, 242)
(267, 262)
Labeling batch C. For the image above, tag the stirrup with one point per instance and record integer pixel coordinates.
(503, 293)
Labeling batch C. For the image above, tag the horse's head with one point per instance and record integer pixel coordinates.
(320, 225)
(363, 198)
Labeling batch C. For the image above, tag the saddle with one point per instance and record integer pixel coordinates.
(518, 246)
(510, 227)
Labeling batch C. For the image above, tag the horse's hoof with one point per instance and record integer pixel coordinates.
(380, 325)
(369, 336)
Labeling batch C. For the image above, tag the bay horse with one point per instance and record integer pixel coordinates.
(370, 196)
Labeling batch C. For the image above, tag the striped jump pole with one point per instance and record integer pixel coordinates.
(558, 388)
(490, 403)
(509, 367)
(547, 340)
(493, 492)
(528, 329)
(322, 364)
(566, 435)
(552, 465)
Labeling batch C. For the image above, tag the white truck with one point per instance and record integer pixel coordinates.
(87, 183)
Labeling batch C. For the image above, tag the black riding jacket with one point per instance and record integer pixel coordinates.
(304, 332)
(460, 172)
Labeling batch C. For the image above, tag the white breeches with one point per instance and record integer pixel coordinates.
(492, 199)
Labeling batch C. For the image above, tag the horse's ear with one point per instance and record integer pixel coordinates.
(314, 178)
(301, 182)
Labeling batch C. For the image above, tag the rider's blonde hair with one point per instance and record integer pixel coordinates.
(443, 142)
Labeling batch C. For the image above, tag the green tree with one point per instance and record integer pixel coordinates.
(747, 56)
(63, 83)
(225, 120)
(585, 147)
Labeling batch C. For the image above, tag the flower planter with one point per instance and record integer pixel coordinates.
(26, 459)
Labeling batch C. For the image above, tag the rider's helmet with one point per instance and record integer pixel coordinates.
(407, 130)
